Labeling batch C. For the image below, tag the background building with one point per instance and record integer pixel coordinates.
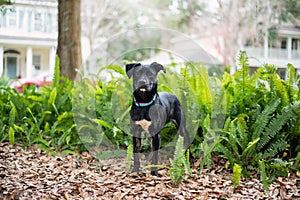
(281, 51)
(28, 38)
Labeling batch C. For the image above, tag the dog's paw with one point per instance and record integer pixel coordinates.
(135, 170)
(154, 173)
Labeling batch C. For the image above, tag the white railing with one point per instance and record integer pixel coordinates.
(278, 53)
(273, 53)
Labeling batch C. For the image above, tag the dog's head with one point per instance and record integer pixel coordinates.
(144, 76)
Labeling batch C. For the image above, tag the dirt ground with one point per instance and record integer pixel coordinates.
(33, 174)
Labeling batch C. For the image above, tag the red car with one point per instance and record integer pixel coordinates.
(38, 82)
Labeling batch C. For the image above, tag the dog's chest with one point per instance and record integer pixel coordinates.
(144, 124)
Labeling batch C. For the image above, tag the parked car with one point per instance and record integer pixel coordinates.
(38, 82)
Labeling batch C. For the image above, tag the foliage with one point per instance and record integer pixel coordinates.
(3, 6)
(3, 81)
(180, 165)
(40, 117)
(263, 175)
(129, 156)
(262, 119)
(236, 174)
(252, 120)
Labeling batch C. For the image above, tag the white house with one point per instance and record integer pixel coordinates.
(285, 49)
(28, 38)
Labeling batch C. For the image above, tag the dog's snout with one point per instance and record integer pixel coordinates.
(142, 83)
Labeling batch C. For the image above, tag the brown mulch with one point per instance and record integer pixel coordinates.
(33, 174)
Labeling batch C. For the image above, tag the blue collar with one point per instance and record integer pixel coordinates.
(144, 104)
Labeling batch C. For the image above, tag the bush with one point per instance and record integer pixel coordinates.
(251, 120)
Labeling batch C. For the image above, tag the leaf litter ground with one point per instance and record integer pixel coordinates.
(33, 174)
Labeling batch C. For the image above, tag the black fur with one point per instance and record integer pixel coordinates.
(157, 108)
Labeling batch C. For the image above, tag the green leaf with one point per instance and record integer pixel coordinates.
(67, 152)
(11, 136)
(19, 128)
(51, 100)
(12, 114)
(56, 77)
(129, 155)
(116, 68)
(263, 175)
(250, 145)
(103, 123)
(236, 176)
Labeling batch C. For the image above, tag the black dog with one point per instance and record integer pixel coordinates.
(151, 110)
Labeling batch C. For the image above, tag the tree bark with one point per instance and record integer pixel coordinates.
(69, 37)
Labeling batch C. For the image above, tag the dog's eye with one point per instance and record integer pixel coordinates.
(138, 73)
(149, 74)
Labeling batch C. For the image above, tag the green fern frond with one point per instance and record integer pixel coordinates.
(180, 164)
(263, 175)
(263, 119)
(236, 175)
(274, 127)
(249, 148)
(226, 153)
(211, 141)
(12, 114)
(291, 79)
(179, 149)
(114, 68)
(233, 138)
(281, 90)
(56, 76)
(244, 62)
(275, 148)
(129, 155)
(202, 87)
(242, 129)
(11, 136)
(291, 72)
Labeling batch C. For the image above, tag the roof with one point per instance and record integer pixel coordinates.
(183, 49)
(293, 31)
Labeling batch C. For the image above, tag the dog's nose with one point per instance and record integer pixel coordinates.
(142, 83)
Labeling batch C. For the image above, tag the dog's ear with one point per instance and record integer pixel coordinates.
(130, 67)
(158, 67)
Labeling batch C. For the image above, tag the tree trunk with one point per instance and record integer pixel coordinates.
(69, 37)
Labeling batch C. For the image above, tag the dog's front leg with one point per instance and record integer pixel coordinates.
(155, 145)
(136, 139)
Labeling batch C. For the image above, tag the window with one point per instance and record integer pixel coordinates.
(295, 44)
(284, 43)
(36, 61)
(282, 74)
(37, 22)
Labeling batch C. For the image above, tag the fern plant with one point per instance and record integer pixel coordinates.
(262, 111)
(236, 175)
(129, 155)
(180, 165)
(263, 175)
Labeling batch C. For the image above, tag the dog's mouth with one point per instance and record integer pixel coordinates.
(142, 89)
(145, 88)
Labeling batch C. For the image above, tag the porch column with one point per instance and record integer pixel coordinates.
(266, 46)
(1, 59)
(289, 48)
(29, 68)
(52, 54)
